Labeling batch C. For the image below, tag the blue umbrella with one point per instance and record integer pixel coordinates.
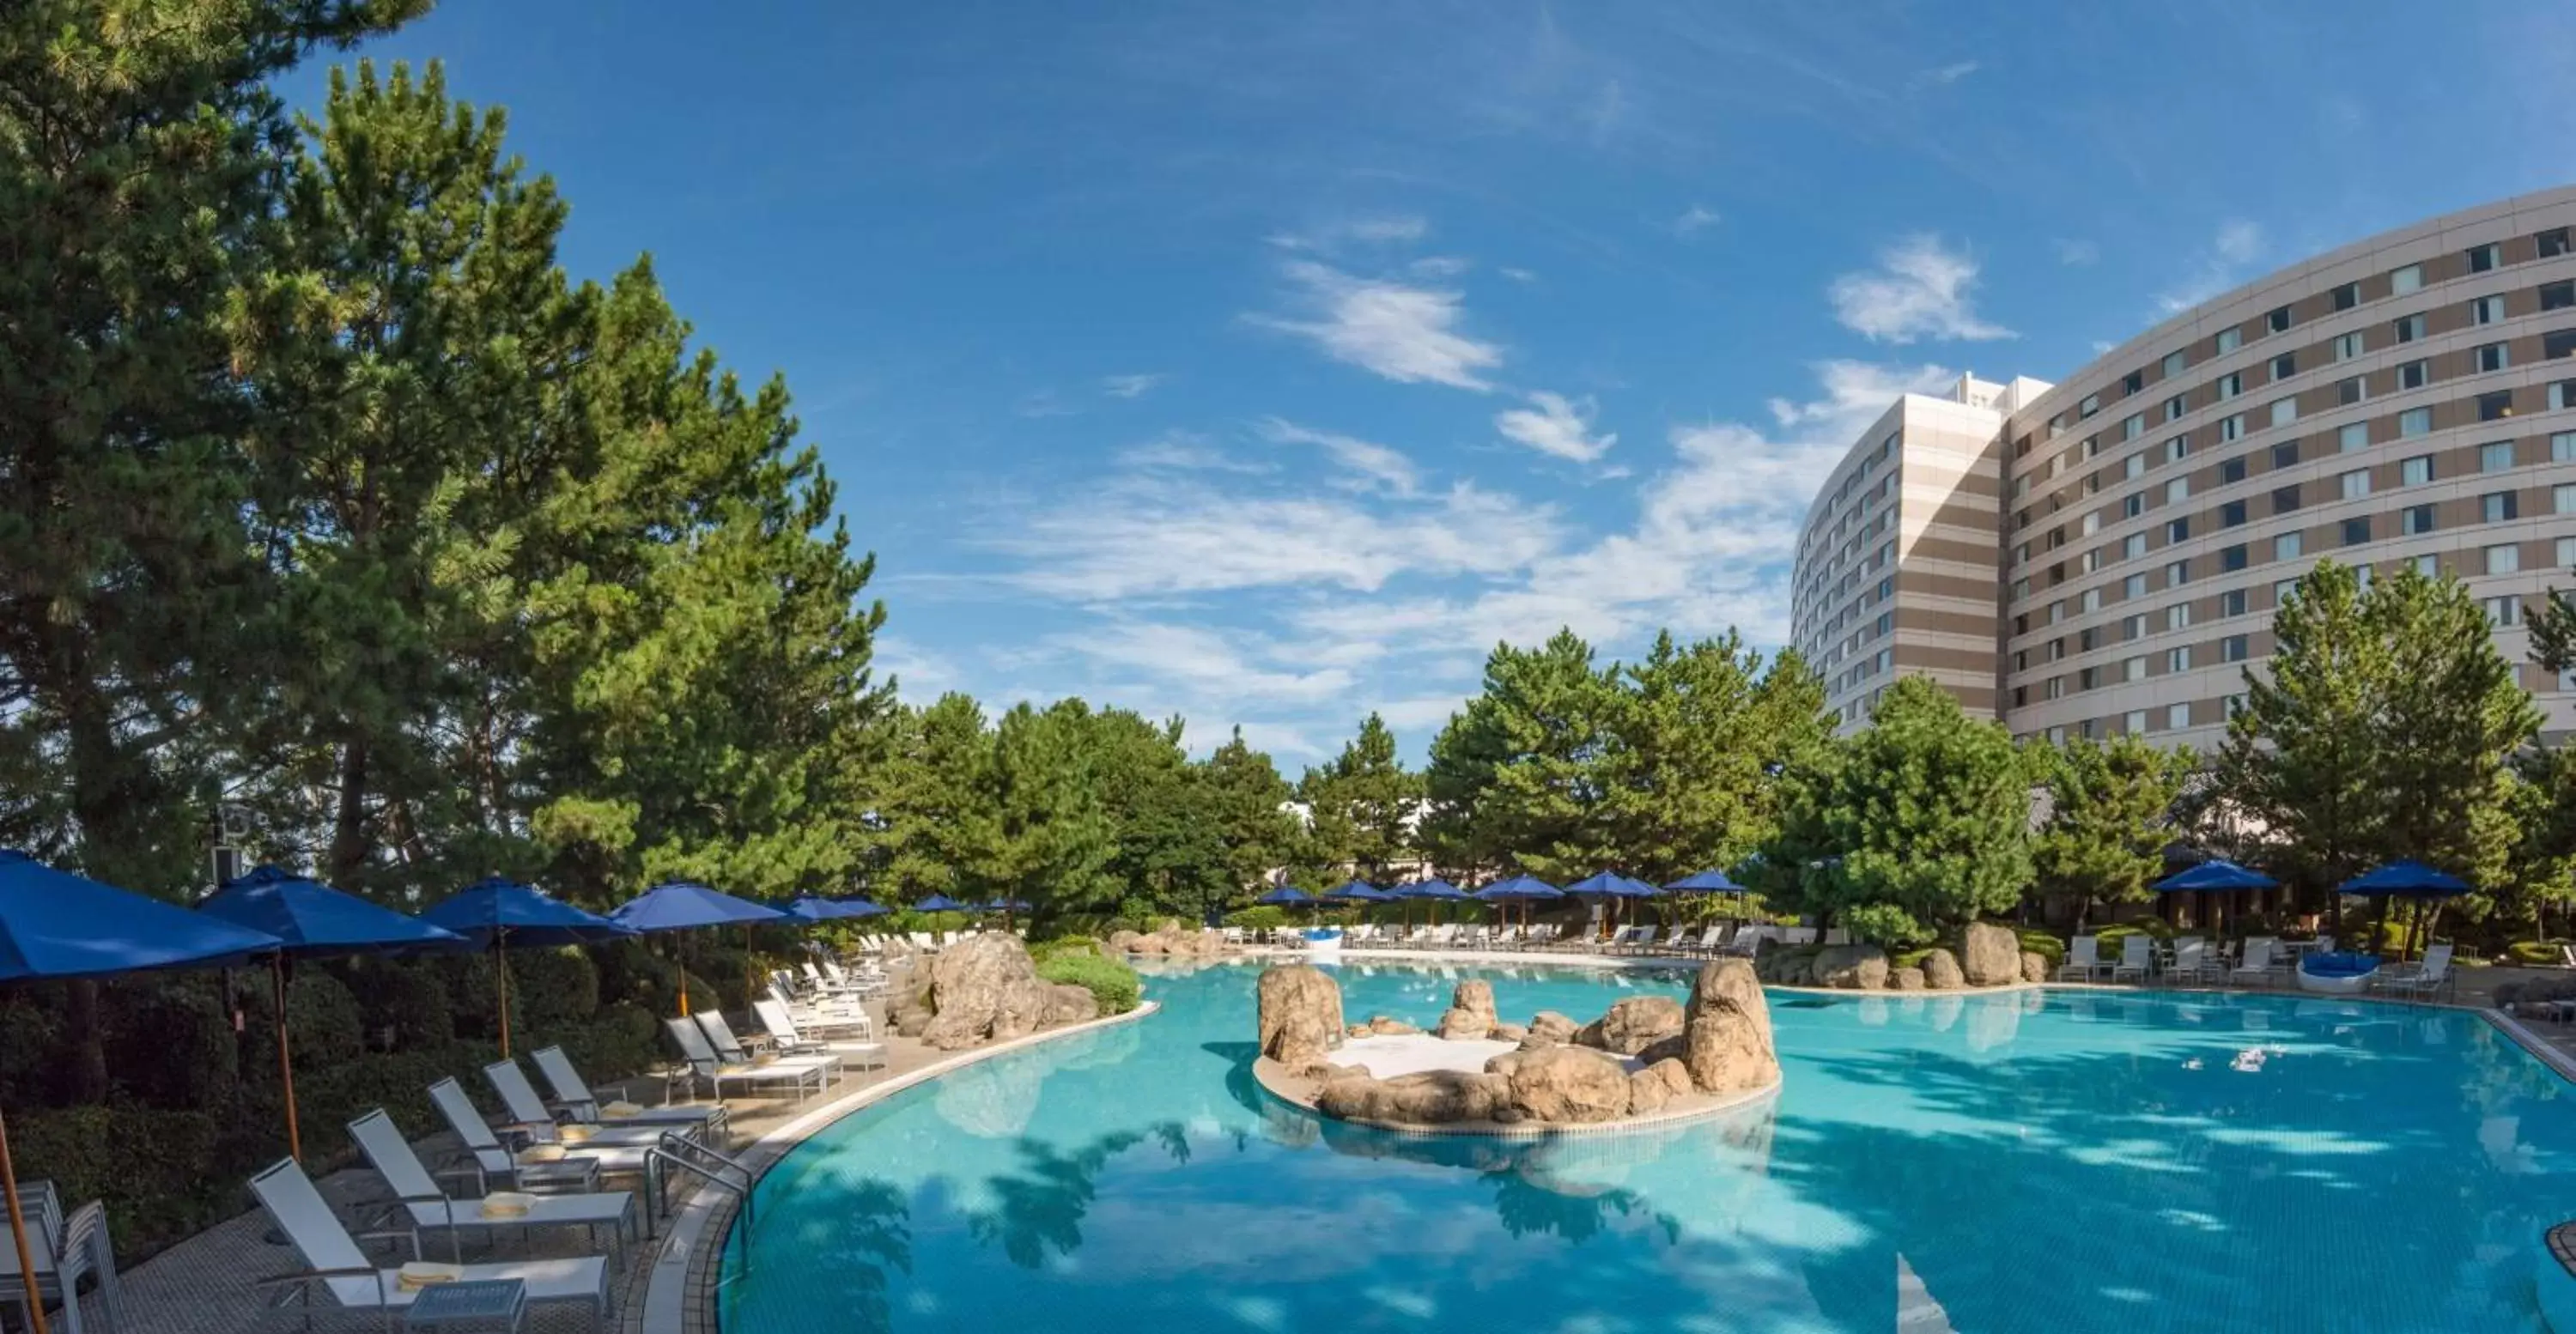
(55, 925)
(1358, 891)
(311, 918)
(1435, 889)
(1285, 896)
(1520, 889)
(942, 903)
(1611, 884)
(1705, 882)
(860, 908)
(496, 914)
(812, 908)
(2216, 874)
(685, 905)
(2410, 879)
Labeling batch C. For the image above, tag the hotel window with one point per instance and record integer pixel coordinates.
(2135, 586)
(2134, 721)
(2175, 407)
(2562, 447)
(2558, 295)
(2177, 573)
(2285, 455)
(2133, 628)
(2285, 365)
(2229, 340)
(2553, 242)
(2415, 520)
(2504, 613)
(2232, 559)
(2486, 310)
(2493, 357)
(2285, 498)
(2133, 426)
(2056, 613)
(2231, 428)
(2232, 602)
(2176, 448)
(2132, 383)
(2496, 406)
(2089, 639)
(2092, 523)
(2356, 531)
(2177, 530)
(2348, 346)
(2133, 505)
(2277, 320)
(2232, 648)
(2231, 514)
(2232, 471)
(2230, 385)
(2133, 467)
(2177, 716)
(2414, 374)
(2485, 257)
(2092, 445)
(2092, 404)
(2566, 552)
(2562, 499)
(2405, 280)
(2091, 600)
(2504, 559)
(2178, 659)
(2414, 422)
(2352, 436)
(2428, 566)
(2088, 678)
(2286, 589)
(2498, 507)
(2021, 588)
(2092, 560)
(2347, 296)
(2177, 490)
(2178, 616)
(2496, 457)
(2351, 389)
(2558, 343)
(2287, 546)
(2415, 471)
(2133, 546)
(2284, 411)
(2355, 484)
(2175, 362)
(2409, 328)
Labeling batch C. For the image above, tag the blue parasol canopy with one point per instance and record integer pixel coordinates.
(2408, 879)
(942, 903)
(2217, 873)
(309, 917)
(507, 912)
(1286, 896)
(1358, 891)
(1705, 882)
(682, 905)
(1611, 884)
(861, 907)
(1433, 888)
(54, 924)
(1007, 905)
(1519, 887)
(811, 908)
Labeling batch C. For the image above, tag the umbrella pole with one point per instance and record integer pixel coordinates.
(18, 1234)
(285, 1060)
(684, 979)
(501, 976)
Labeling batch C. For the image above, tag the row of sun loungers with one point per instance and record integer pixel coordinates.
(2263, 961)
(1681, 942)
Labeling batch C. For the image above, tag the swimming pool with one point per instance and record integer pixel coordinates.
(2030, 1161)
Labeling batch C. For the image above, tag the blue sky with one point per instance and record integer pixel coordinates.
(1267, 365)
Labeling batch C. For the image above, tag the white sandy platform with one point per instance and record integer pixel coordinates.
(1420, 1053)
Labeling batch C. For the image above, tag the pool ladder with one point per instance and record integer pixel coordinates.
(710, 1167)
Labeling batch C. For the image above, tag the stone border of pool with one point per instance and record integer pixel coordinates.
(679, 1294)
(1274, 1078)
(2558, 1061)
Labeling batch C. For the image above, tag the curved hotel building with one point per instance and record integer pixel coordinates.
(2104, 555)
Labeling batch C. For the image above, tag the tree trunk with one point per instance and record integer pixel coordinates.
(349, 827)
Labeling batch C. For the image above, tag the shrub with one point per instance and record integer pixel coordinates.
(1114, 984)
(2043, 944)
(1258, 917)
(552, 989)
(324, 1025)
(2534, 953)
(170, 1041)
(402, 1005)
(158, 1171)
(1063, 946)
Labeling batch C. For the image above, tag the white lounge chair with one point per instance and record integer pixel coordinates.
(2137, 957)
(535, 1169)
(782, 1029)
(2256, 966)
(2191, 960)
(573, 1095)
(419, 1201)
(336, 1266)
(730, 1048)
(519, 1098)
(2083, 958)
(65, 1250)
(2425, 979)
(705, 1064)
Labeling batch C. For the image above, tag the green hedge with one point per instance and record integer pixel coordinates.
(1062, 946)
(1113, 983)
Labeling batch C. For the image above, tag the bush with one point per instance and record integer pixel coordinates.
(324, 1024)
(170, 1041)
(1114, 984)
(402, 1006)
(2534, 953)
(1063, 946)
(158, 1171)
(552, 989)
(1258, 917)
(2043, 944)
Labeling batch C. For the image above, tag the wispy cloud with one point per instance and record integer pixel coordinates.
(1394, 229)
(1438, 266)
(1131, 386)
(1517, 275)
(1183, 451)
(1373, 463)
(1403, 333)
(1554, 425)
(1046, 403)
(1921, 289)
(1694, 219)
(1944, 75)
(2235, 246)
(2076, 252)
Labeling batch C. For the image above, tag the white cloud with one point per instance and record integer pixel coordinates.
(1395, 229)
(1855, 393)
(1406, 334)
(1388, 230)
(1420, 714)
(2074, 252)
(1180, 451)
(1371, 461)
(1945, 75)
(1517, 275)
(2237, 244)
(1130, 386)
(1438, 266)
(922, 673)
(1920, 290)
(1557, 426)
(1200, 661)
(2239, 241)
(1694, 219)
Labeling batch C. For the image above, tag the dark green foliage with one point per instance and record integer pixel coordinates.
(1111, 981)
(2107, 826)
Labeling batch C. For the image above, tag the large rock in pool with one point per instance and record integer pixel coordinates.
(1992, 956)
(984, 988)
(1549, 1026)
(1650, 1089)
(1071, 1003)
(1634, 1024)
(2034, 966)
(1434, 1097)
(1851, 967)
(1905, 979)
(1300, 1014)
(1941, 971)
(1471, 1012)
(1568, 1084)
(1726, 1038)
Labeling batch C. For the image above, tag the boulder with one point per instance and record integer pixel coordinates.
(1569, 1084)
(1991, 956)
(1433, 1097)
(1475, 997)
(1727, 1038)
(1507, 1033)
(984, 988)
(911, 1021)
(1457, 1023)
(1502, 1063)
(1383, 1026)
(1123, 942)
(1632, 1025)
(1851, 967)
(1552, 1026)
(1906, 979)
(1300, 1010)
(2034, 966)
(1650, 1089)
(1071, 1003)
(1941, 971)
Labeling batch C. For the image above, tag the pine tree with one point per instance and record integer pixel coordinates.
(2104, 838)
(1520, 777)
(1243, 797)
(1362, 807)
(2302, 756)
(1700, 731)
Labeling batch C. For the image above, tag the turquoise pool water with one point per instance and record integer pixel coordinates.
(2035, 1162)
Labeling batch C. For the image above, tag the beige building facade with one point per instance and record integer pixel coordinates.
(2410, 398)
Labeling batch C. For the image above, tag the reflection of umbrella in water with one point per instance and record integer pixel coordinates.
(312, 919)
(497, 914)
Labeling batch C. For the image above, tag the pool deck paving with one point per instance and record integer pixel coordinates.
(204, 1284)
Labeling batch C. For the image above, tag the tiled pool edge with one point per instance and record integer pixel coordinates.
(2549, 1054)
(680, 1288)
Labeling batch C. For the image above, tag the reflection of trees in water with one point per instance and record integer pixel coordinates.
(854, 1249)
(1040, 1207)
(991, 1099)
